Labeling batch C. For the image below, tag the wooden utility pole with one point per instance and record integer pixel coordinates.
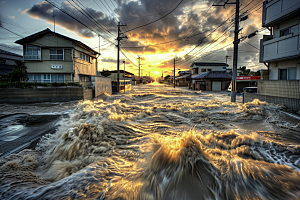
(174, 73)
(124, 76)
(53, 20)
(235, 47)
(118, 55)
(139, 70)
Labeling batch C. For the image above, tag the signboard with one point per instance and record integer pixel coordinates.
(247, 78)
(56, 66)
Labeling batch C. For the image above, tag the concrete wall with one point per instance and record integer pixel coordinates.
(102, 85)
(87, 94)
(182, 84)
(282, 88)
(290, 103)
(278, 92)
(285, 64)
(30, 95)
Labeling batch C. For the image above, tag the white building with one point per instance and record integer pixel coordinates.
(280, 50)
(202, 67)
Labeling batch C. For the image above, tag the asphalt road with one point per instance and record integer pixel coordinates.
(19, 131)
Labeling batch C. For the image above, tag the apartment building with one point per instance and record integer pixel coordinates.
(280, 50)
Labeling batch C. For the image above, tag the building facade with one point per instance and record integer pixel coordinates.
(280, 50)
(202, 67)
(51, 57)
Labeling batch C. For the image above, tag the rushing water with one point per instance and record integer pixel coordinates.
(156, 142)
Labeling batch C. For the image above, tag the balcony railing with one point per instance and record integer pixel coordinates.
(278, 9)
(280, 48)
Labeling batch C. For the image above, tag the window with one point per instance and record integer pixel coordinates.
(46, 78)
(205, 70)
(287, 74)
(53, 78)
(289, 30)
(37, 78)
(195, 71)
(32, 52)
(84, 57)
(30, 77)
(56, 54)
(61, 78)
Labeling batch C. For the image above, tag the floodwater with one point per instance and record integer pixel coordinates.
(157, 142)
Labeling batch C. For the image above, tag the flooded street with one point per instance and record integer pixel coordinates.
(158, 143)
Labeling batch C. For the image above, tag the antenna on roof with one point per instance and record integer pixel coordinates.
(54, 20)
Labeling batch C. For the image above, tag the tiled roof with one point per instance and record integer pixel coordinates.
(213, 74)
(9, 53)
(6, 69)
(209, 64)
(183, 76)
(48, 31)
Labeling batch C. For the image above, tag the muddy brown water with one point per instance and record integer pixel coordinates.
(157, 142)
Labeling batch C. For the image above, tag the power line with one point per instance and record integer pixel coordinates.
(78, 21)
(156, 19)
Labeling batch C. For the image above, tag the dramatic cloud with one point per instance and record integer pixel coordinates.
(44, 10)
(193, 31)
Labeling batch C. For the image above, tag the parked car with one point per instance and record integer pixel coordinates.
(250, 90)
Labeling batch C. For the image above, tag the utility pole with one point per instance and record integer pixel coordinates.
(139, 70)
(227, 57)
(235, 47)
(124, 75)
(118, 56)
(97, 58)
(54, 20)
(174, 72)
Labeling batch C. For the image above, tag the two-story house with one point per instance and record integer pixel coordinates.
(51, 57)
(183, 79)
(209, 76)
(202, 67)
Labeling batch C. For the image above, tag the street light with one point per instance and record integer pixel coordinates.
(124, 75)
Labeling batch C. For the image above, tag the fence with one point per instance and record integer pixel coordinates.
(286, 92)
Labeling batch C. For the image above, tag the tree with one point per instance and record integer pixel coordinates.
(166, 77)
(245, 72)
(105, 73)
(19, 72)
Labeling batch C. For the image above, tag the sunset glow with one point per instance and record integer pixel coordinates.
(193, 31)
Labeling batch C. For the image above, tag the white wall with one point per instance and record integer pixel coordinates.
(213, 68)
(275, 66)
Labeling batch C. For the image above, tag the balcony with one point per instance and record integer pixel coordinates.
(276, 10)
(281, 48)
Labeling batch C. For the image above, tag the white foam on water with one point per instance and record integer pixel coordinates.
(159, 143)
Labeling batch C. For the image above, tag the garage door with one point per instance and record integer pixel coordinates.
(216, 86)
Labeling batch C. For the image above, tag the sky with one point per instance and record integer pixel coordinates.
(158, 31)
